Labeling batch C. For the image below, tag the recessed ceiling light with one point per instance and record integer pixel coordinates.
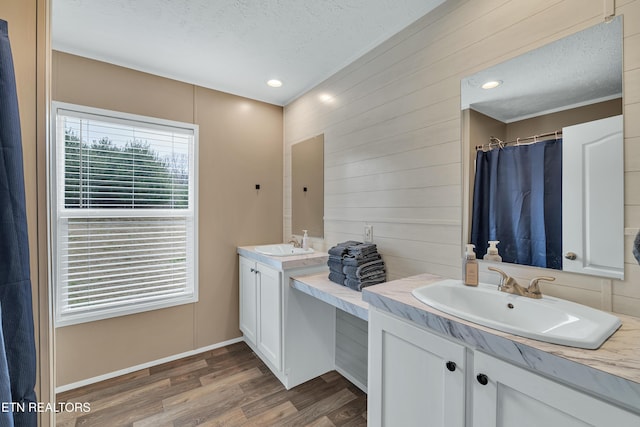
(491, 84)
(274, 83)
(326, 98)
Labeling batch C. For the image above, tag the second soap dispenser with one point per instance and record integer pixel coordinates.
(492, 252)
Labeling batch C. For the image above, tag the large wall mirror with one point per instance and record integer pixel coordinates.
(307, 186)
(543, 163)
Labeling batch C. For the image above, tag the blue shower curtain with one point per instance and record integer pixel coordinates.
(15, 281)
(517, 199)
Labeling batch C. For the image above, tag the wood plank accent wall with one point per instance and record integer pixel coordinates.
(352, 346)
(392, 126)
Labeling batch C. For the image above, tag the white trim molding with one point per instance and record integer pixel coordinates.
(446, 222)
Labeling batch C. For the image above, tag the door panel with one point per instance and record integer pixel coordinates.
(248, 299)
(270, 314)
(514, 396)
(593, 197)
(410, 383)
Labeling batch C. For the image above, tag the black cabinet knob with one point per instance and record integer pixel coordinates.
(451, 366)
(482, 379)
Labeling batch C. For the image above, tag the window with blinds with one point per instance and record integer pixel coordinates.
(124, 211)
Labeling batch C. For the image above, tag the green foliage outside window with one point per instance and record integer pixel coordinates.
(104, 175)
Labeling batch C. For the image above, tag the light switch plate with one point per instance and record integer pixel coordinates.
(368, 233)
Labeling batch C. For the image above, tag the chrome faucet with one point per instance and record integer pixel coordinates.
(295, 242)
(509, 285)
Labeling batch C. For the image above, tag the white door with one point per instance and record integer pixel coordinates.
(416, 378)
(248, 299)
(593, 198)
(510, 396)
(270, 314)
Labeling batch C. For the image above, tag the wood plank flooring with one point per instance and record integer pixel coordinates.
(229, 386)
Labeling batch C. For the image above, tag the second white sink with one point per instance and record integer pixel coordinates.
(548, 319)
(282, 249)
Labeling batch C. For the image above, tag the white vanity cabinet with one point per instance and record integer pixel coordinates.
(285, 328)
(506, 395)
(260, 308)
(416, 378)
(408, 364)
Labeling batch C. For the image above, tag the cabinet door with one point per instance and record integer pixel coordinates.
(248, 299)
(270, 314)
(514, 396)
(411, 382)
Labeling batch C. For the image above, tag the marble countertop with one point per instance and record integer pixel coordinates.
(612, 371)
(320, 287)
(285, 262)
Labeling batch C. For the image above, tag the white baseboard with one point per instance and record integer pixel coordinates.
(125, 371)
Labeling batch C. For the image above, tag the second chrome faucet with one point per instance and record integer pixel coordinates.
(509, 285)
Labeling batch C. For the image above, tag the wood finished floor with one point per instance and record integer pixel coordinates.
(229, 386)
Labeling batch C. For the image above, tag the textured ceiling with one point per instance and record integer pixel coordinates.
(232, 45)
(580, 69)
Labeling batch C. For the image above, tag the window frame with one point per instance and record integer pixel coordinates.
(58, 212)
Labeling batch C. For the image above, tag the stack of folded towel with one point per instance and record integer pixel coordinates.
(336, 254)
(363, 266)
(356, 265)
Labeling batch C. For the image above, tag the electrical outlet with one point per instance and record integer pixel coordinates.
(368, 233)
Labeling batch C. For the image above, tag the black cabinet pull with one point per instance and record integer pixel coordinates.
(482, 379)
(451, 366)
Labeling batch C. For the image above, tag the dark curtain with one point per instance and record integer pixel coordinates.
(517, 199)
(15, 281)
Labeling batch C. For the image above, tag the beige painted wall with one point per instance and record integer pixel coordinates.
(393, 155)
(240, 145)
(555, 121)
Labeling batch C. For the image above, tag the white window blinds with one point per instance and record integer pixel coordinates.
(125, 209)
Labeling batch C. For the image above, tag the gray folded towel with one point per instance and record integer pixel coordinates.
(338, 278)
(338, 251)
(366, 269)
(341, 248)
(357, 284)
(350, 270)
(636, 247)
(334, 265)
(362, 250)
(356, 262)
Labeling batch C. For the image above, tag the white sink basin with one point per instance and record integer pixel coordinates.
(547, 319)
(282, 249)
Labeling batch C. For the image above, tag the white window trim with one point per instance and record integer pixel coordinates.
(54, 192)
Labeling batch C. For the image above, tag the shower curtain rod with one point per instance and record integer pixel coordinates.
(496, 142)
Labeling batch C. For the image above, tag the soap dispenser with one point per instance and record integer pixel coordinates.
(492, 252)
(470, 267)
(305, 240)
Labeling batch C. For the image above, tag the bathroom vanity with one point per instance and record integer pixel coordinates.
(425, 364)
(286, 329)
